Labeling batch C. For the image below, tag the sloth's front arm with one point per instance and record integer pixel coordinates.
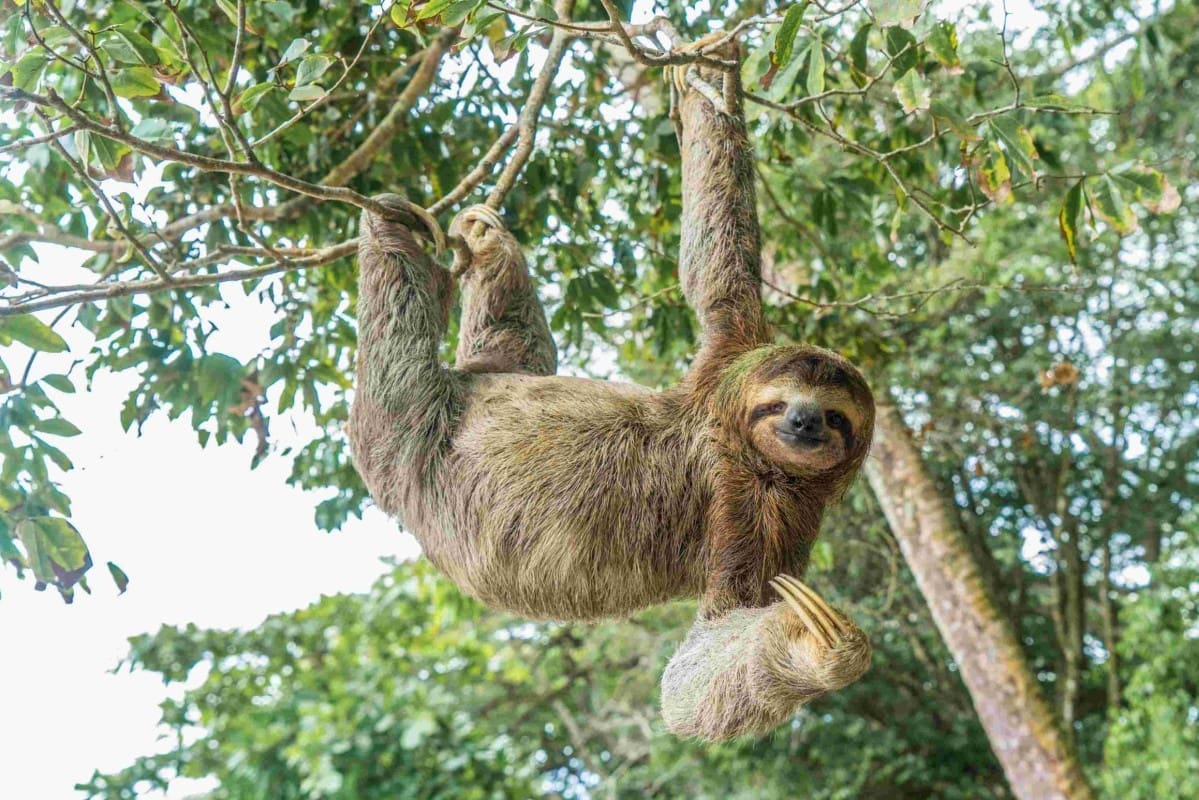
(746, 672)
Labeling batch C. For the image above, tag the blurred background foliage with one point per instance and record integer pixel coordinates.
(997, 220)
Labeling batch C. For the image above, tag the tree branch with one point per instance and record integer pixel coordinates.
(204, 163)
(396, 117)
(527, 123)
(72, 295)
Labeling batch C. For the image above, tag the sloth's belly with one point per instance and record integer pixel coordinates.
(566, 500)
(540, 555)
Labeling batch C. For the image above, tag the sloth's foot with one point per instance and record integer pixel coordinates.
(483, 232)
(464, 223)
(829, 651)
(414, 217)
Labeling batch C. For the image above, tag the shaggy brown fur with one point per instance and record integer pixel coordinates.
(568, 498)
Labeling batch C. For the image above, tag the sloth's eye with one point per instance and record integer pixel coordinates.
(836, 420)
(766, 410)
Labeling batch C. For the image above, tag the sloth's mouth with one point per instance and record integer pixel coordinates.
(806, 442)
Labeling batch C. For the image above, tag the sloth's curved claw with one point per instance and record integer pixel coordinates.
(436, 234)
(838, 623)
(820, 620)
(432, 228)
(807, 617)
(477, 213)
(465, 232)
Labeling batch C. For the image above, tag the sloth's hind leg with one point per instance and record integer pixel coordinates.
(503, 325)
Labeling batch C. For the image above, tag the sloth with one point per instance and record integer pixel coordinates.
(573, 499)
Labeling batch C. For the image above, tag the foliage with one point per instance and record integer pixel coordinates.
(997, 222)
(1152, 748)
(414, 691)
(218, 128)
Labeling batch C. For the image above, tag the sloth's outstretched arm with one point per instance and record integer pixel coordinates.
(746, 672)
(405, 400)
(720, 253)
(503, 325)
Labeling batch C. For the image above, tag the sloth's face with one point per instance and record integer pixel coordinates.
(809, 428)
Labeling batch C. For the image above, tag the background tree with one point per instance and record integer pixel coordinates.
(958, 205)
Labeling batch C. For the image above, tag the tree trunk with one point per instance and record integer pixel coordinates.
(1036, 757)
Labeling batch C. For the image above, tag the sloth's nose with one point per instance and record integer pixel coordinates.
(805, 421)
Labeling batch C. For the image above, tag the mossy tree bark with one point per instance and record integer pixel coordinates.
(1019, 721)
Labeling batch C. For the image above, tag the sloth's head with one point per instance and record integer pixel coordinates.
(803, 409)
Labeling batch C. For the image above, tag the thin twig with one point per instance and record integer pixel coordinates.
(328, 95)
(89, 47)
(924, 295)
(640, 301)
(206, 163)
(238, 50)
(529, 115)
(480, 171)
(24, 143)
(226, 121)
(108, 291)
(81, 170)
(674, 57)
(387, 127)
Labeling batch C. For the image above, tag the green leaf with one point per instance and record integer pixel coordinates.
(249, 99)
(1067, 218)
(118, 577)
(901, 47)
(60, 382)
(130, 47)
(896, 12)
(458, 12)
(128, 414)
(153, 130)
(1108, 203)
(98, 151)
(784, 79)
(913, 92)
(858, 58)
(1150, 188)
(1017, 143)
(229, 8)
(957, 123)
(218, 377)
(815, 82)
(31, 331)
(28, 69)
(943, 42)
(995, 177)
(1054, 101)
(294, 51)
(57, 456)
(431, 9)
(399, 13)
(540, 10)
(55, 551)
(57, 427)
(134, 82)
(784, 37)
(312, 67)
(305, 93)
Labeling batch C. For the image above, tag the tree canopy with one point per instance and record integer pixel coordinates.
(994, 216)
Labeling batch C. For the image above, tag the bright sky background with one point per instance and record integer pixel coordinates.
(203, 539)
